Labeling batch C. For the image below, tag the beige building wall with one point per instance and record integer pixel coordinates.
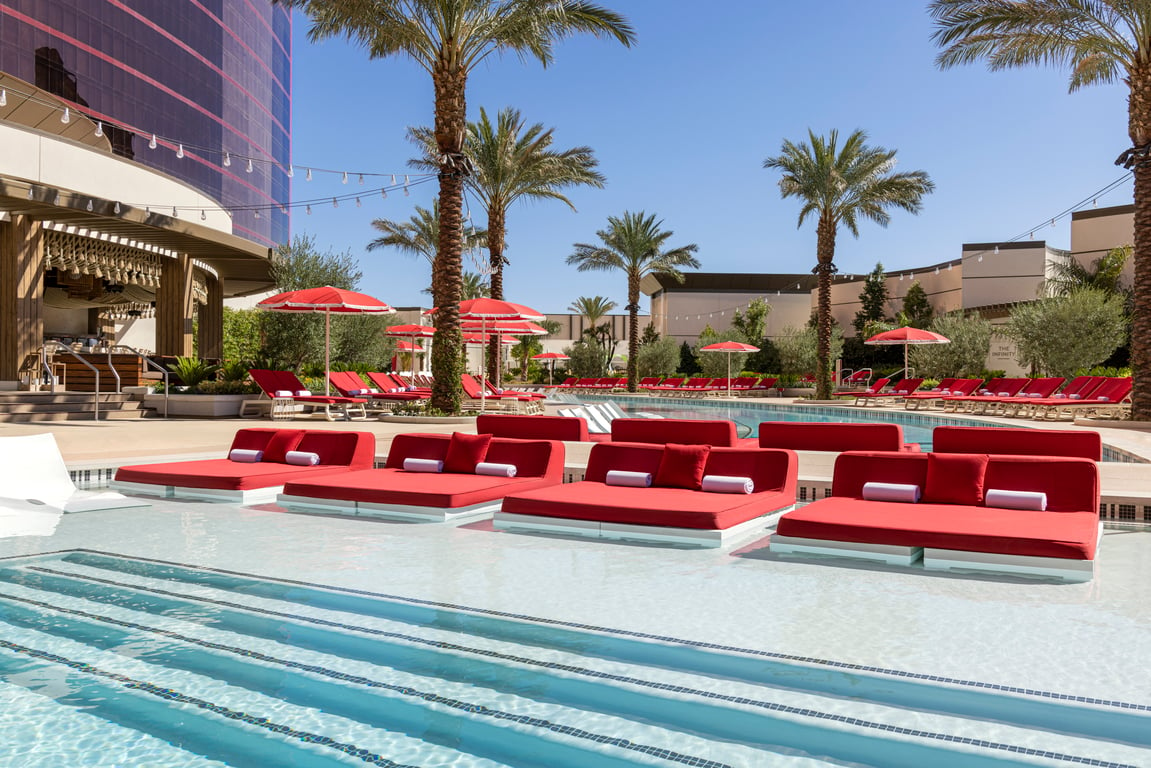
(1096, 231)
(683, 316)
(1016, 272)
(943, 284)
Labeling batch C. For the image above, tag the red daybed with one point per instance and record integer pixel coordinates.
(832, 436)
(952, 528)
(250, 483)
(394, 493)
(717, 432)
(663, 514)
(537, 427)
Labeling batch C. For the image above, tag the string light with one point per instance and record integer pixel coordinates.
(99, 129)
(152, 143)
(308, 176)
(115, 208)
(345, 179)
(89, 207)
(3, 97)
(174, 214)
(997, 250)
(358, 203)
(203, 215)
(361, 179)
(291, 172)
(308, 210)
(249, 168)
(180, 152)
(67, 116)
(335, 203)
(227, 159)
(384, 193)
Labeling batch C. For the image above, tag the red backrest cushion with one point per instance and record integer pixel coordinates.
(770, 470)
(1018, 442)
(698, 431)
(1071, 484)
(533, 427)
(630, 457)
(334, 447)
(532, 458)
(465, 451)
(252, 439)
(414, 445)
(955, 478)
(826, 436)
(280, 443)
(682, 466)
(854, 468)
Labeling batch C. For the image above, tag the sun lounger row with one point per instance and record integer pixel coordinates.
(1032, 515)
(1038, 398)
(702, 386)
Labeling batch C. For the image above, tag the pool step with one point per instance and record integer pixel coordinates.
(569, 687)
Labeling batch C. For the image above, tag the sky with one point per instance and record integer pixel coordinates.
(681, 124)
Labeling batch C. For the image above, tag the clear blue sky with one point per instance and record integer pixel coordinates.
(682, 122)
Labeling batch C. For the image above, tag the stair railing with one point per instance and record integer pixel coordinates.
(147, 361)
(59, 347)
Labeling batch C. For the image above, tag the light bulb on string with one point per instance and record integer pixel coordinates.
(1053, 223)
(383, 193)
(949, 267)
(227, 159)
(203, 215)
(291, 172)
(335, 203)
(67, 116)
(361, 179)
(249, 168)
(345, 179)
(937, 270)
(358, 203)
(99, 129)
(997, 250)
(393, 179)
(308, 175)
(308, 210)
(116, 207)
(180, 151)
(89, 207)
(31, 194)
(256, 213)
(3, 97)
(980, 259)
(152, 142)
(174, 214)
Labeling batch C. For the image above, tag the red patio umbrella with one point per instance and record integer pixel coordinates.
(412, 332)
(551, 357)
(730, 347)
(325, 299)
(907, 336)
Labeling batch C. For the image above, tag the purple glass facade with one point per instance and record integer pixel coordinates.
(214, 75)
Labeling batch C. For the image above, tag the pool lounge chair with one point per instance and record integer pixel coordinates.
(455, 493)
(478, 398)
(1076, 389)
(252, 482)
(350, 384)
(287, 392)
(933, 398)
(899, 391)
(1004, 388)
(763, 388)
(957, 403)
(1034, 388)
(1110, 399)
(875, 388)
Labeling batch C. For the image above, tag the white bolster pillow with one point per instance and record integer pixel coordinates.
(628, 479)
(497, 470)
(355, 392)
(1004, 394)
(302, 458)
(905, 493)
(1074, 397)
(423, 465)
(1035, 500)
(245, 455)
(282, 393)
(727, 484)
(304, 393)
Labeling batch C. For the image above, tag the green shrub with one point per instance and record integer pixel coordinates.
(193, 370)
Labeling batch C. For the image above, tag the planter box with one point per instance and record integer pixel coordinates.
(199, 406)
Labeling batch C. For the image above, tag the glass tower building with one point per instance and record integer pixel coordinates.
(210, 76)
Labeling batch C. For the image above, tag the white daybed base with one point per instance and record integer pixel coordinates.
(250, 496)
(884, 553)
(594, 529)
(402, 512)
(1060, 568)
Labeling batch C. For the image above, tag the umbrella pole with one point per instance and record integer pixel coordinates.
(483, 341)
(905, 346)
(327, 351)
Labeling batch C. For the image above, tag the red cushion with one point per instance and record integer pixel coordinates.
(220, 474)
(682, 466)
(955, 478)
(392, 486)
(465, 451)
(283, 441)
(1070, 535)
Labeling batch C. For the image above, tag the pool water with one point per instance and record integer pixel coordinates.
(115, 660)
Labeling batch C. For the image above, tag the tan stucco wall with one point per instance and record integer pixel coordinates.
(1093, 233)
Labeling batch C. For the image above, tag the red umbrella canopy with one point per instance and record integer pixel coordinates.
(908, 335)
(407, 346)
(495, 309)
(729, 346)
(505, 327)
(550, 356)
(325, 299)
(482, 338)
(411, 330)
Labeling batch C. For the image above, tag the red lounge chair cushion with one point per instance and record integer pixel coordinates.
(682, 466)
(535, 427)
(1069, 535)
(221, 474)
(391, 486)
(280, 443)
(955, 478)
(1025, 442)
(719, 432)
(465, 451)
(667, 507)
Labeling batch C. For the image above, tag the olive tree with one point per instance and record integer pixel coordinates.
(1061, 334)
(798, 349)
(658, 358)
(964, 357)
(714, 364)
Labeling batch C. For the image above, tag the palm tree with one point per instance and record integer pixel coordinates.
(512, 162)
(419, 235)
(1105, 273)
(449, 38)
(595, 308)
(633, 243)
(1100, 41)
(840, 186)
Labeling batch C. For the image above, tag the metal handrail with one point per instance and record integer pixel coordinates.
(148, 361)
(95, 395)
(112, 368)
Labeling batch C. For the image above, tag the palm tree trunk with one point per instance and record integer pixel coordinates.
(450, 83)
(1139, 127)
(496, 261)
(632, 333)
(825, 252)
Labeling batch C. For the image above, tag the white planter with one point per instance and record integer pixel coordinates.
(199, 406)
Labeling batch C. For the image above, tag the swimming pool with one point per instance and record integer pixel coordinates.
(196, 666)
